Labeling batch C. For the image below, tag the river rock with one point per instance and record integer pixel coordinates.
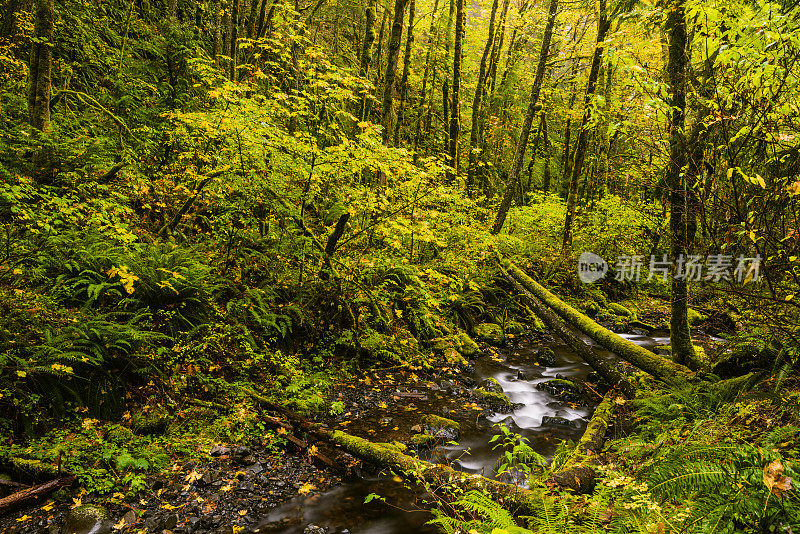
(441, 427)
(314, 529)
(559, 421)
(87, 519)
(491, 384)
(546, 357)
(561, 389)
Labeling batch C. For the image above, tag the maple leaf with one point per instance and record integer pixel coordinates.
(23, 518)
(774, 479)
(306, 488)
(194, 475)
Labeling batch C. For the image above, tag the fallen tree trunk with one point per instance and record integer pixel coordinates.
(576, 473)
(653, 364)
(585, 351)
(518, 499)
(33, 494)
(22, 468)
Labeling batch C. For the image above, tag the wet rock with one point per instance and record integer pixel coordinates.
(561, 389)
(641, 325)
(491, 384)
(467, 347)
(497, 401)
(87, 519)
(423, 440)
(255, 468)
(515, 328)
(441, 427)
(490, 333)
(522, 375)
(620, 311)
(546, 357)
(314, 529)
(560, 422)
(218, 450)
(170, 522)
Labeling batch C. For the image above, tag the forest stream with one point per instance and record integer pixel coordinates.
(538, 416)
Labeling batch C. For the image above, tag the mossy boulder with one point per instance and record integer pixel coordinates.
(423, 440)
(621, 311)
(649, 328)
(695, 317)
(118, 434)
(467, 346)
(496, 400)
(400, 347)
(538, 325)
(562, 422)
(561, 389)
(745, 357)
(491, 384)
(449, 348)
(441, 427)
(592, 309)
(490, 333)
(152, 419)
(86, 519)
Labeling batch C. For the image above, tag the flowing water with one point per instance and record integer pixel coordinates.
(342, 509)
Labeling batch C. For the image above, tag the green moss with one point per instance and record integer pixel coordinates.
(85, 518)
(150, 420)
(489, 333)
(437, 421)
(493, 397)
(423, 440)
(620, 311)
(695, 317)
(515, 328)
(118, 434)
(467, 347)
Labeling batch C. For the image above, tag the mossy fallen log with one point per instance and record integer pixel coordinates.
(585, 351)
(25, 469)
(576, 473)
(657, 366)
(517, 499)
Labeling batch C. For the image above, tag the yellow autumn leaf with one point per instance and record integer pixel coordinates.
(306, 488)
(774, 479)
(23, 518)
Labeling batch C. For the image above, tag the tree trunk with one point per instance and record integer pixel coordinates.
(366, 56)
(477, 102)
(234, 38)
(392, 54)
(657, 366)
(680, 334)
(33, 494)
(379, 50)
(497, 49)
(455, 106)
(546, 173)
(446, 81)
(533, 107)
(424, 106)
(252, 18)
(406, 69)
(216, 20)
(583, 134)
(41, 66)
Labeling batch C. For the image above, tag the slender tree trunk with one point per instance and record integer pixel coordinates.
(477, 103)
(533, 107)
(379, 50)
(216, 18)
(406, 69)
(680, 334)
(392, 54)
(446, 81)
(546, 172)
(41, 66)
(234, 38)
(424, 106)
(455, 107)
(253, 18)
(583, 134)
(263, 18)
(497, 48)
(366, 56)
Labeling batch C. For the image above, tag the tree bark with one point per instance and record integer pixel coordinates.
(546, 173)
(533, 107)
(366, 55)
(446, 81)
(583, 134)
(406, 70)
(392, 54)
(426, 107)
(477, 103)
(30, 495)
(680, 334)
(234, 39)
(455, 106)
(41, 66)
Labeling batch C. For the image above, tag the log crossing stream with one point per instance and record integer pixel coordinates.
(538, 416)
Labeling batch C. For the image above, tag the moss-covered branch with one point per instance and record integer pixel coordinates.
(659, 367)
(576, 473)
